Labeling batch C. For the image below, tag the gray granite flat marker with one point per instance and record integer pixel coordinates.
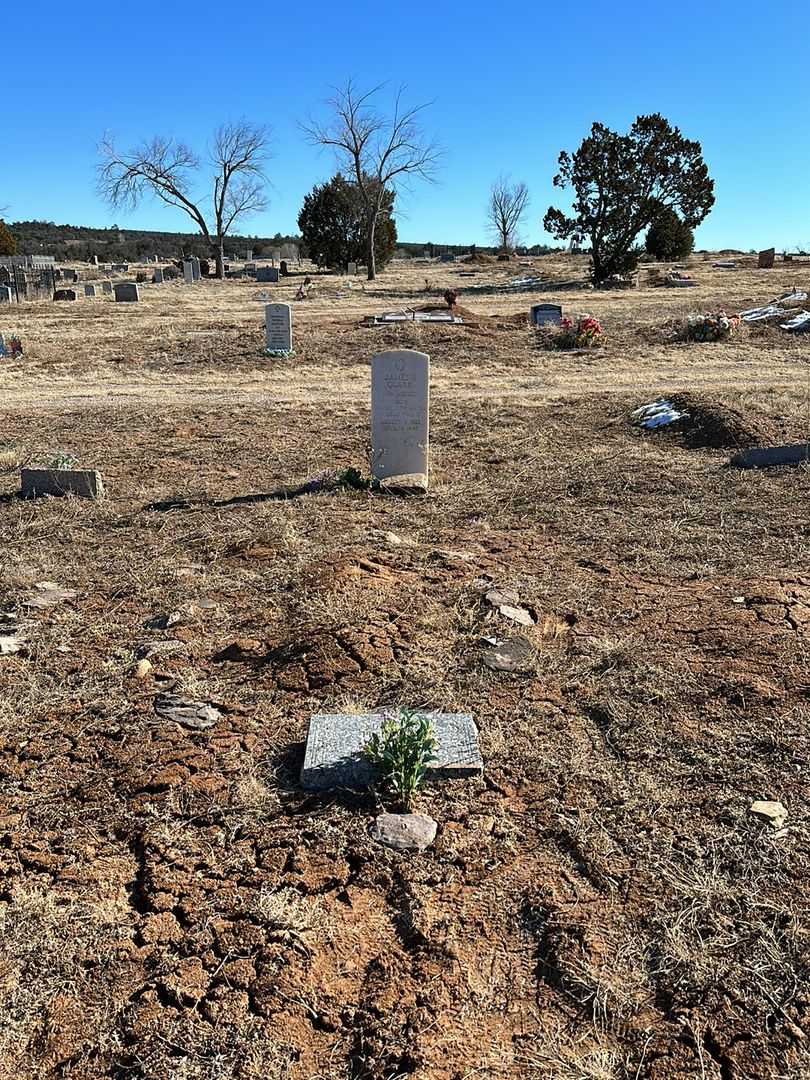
(87, 483)
(546, 315)
(763, 457)
(126, 292)
(278, 327)
(400, 389)
(188, 273)
(334, 755)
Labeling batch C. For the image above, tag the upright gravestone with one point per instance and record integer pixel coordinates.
(89, 290)
(126, 292)
(278, 327)
(546, 315)
(400, 388)
(157, 277)
(351, 269)
(5, 294)
(249, 255)
(766, 259)
(283, 268)
(65, 294)
(195, 268)
(267, 273)
(106, 286)
(188, 273)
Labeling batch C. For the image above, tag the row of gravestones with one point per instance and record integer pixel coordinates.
(124, 292)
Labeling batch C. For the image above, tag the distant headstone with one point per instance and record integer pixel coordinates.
(65, 294)
(334, 754)
(195, 268)
(278, 327)
(546, 314)
(400, 388)
(94, 260)
(126, 292)
(106, 286)
(70, 275)
(448, 258)
(283, 268)
(188, 273)
(249, 255)
(157, 277)
(351, 269)
(89, 290)
(766, 259)
(6, 294)
(267, 273)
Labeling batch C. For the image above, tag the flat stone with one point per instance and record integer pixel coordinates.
(193, 714)
(334, 755)
(770, 811)
(86, 483)
(516, 654)
(762, 458)
(404, 832)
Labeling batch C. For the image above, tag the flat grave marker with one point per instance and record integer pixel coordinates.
(400, 390)
(334, 754)
(87, 483)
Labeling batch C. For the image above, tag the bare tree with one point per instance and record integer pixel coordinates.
(381, 152)
(169, 170)
(507, 204)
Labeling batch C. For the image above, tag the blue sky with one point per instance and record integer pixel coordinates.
(511, 86)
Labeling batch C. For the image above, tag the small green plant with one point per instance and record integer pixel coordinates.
(60, 460)
(402, 750)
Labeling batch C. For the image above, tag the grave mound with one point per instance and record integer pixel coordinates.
(707, 424)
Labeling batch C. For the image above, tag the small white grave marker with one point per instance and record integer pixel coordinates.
(278, 327)
(188, 273)
(400, 388)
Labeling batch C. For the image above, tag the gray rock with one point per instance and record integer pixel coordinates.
(86, 483)
(404, 832)
(515, 654)
(194, 714)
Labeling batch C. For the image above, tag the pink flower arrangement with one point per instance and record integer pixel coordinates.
(585, 333)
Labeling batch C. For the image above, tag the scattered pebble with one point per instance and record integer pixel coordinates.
(10, 644)
(771, 811)
(164, 622)
(142, 669)
(404, 832)
(49, 595)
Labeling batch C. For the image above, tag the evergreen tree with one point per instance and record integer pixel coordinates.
(334, 224)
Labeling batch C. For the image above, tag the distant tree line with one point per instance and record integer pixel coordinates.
(80, 242)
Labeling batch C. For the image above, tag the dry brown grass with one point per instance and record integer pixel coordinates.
(600, 906)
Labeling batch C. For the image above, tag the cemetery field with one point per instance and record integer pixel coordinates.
(601, 904)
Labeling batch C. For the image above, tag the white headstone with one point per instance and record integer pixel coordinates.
(351, 269)
(400, 387)
(195, 268)
(188, 273)
(278, 327)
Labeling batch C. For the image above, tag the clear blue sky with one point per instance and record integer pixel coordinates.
(512, 85)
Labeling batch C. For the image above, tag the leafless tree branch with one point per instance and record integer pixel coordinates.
(508, 203)
(379, 151)
(167, 169)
